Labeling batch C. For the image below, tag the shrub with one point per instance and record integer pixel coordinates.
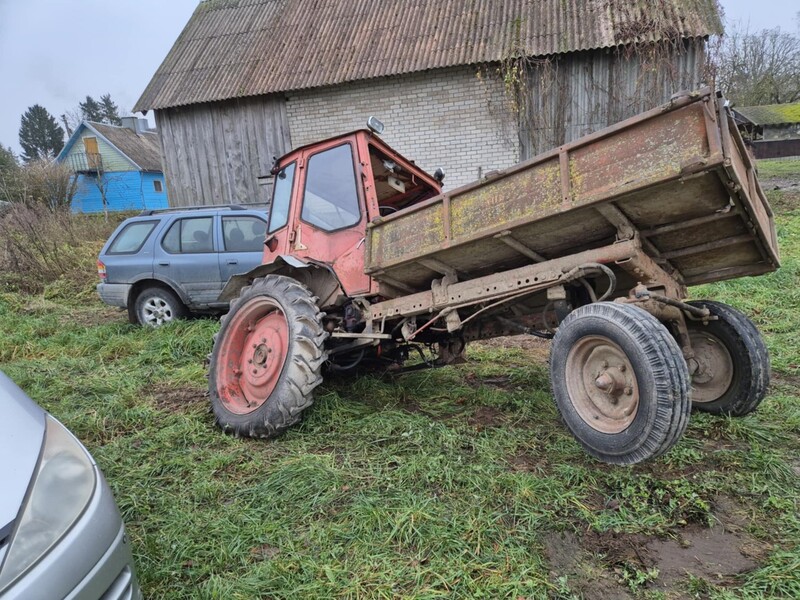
(44, 245)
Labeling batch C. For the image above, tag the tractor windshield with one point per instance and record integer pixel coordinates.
(330, 201)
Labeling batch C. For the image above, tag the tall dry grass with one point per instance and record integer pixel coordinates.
(43, 247)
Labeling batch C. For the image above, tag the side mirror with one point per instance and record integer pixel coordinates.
(438, 175)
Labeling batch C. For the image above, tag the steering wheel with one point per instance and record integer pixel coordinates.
(385, 211)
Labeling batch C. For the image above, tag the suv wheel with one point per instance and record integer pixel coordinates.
(156, 306)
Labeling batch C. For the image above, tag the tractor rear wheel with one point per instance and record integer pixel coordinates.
(267, 358)
(733, 363)
(620, 382)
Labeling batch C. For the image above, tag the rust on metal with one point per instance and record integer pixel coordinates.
(602, 384)
(530, 278)
(510, 240)
(674, 173)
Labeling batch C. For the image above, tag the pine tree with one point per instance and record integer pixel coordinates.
(8, 160)
(9, 176)
(91, 110)
(39, 134)
(110, 110)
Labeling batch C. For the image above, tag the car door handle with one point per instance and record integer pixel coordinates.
(163, 263)
(233, 261)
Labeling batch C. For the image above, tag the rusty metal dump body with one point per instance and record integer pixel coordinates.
(677, 177)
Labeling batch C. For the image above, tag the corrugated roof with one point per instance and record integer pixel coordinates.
(237, 48)
(771, 114)
(141, 148)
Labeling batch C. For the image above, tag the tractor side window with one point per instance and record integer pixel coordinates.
(281, 198)
(330, 201)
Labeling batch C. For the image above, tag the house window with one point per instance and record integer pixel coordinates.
(157, 186)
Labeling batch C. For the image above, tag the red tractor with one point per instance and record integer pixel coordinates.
(593, 244)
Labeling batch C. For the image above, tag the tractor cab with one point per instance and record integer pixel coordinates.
(326, 193)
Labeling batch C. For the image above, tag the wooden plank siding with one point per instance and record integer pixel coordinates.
(214, 153)
(571, 95)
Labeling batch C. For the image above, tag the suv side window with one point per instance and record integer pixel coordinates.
(330, 201)
(243, 234)
(189, 236)
(132, 237)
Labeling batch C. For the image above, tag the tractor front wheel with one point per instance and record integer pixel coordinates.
(267, 358)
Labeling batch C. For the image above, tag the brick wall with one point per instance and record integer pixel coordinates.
(439, 118)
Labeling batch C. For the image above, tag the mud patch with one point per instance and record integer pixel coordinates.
(177, 399)
(601, 565)
(715, 555)
(581, 569)
(525, 463)
(501, 383)
(486, 416)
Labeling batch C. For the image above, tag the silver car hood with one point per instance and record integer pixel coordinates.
(22, 425)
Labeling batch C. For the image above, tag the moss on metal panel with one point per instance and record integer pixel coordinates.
(643, 155)
(533, 194)
(412, 234)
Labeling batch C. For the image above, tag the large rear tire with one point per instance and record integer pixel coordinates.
(267, 358)
(620, 382)
(733, 374)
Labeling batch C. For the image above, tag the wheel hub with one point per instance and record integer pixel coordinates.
(157, 311)
(602, 385)
(253, 355)
(714, 373)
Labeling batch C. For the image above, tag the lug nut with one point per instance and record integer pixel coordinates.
(623, 368)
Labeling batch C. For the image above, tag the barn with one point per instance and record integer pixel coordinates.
(467, 85)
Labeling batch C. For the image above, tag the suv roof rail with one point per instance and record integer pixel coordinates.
(155, 211)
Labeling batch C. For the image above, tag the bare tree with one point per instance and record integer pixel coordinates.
(759, 68)
(48, 183)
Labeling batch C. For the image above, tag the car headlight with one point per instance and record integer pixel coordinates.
(60, 490)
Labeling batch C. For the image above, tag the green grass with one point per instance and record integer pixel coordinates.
(779, 168)
(439, 484)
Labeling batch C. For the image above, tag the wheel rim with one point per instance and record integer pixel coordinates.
(252, 355)
(157, 311)
(602, 385)
(714, 373)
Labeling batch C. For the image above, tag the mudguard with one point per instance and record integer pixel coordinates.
(285, 264)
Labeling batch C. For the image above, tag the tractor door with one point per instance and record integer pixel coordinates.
(327, 222)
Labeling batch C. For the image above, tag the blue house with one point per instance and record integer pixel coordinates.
(117, 167)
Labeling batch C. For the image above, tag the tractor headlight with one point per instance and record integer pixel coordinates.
(60, 490)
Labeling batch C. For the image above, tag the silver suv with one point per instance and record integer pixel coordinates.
(163, 265)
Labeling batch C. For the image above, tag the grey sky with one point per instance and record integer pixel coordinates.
(55, 52)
